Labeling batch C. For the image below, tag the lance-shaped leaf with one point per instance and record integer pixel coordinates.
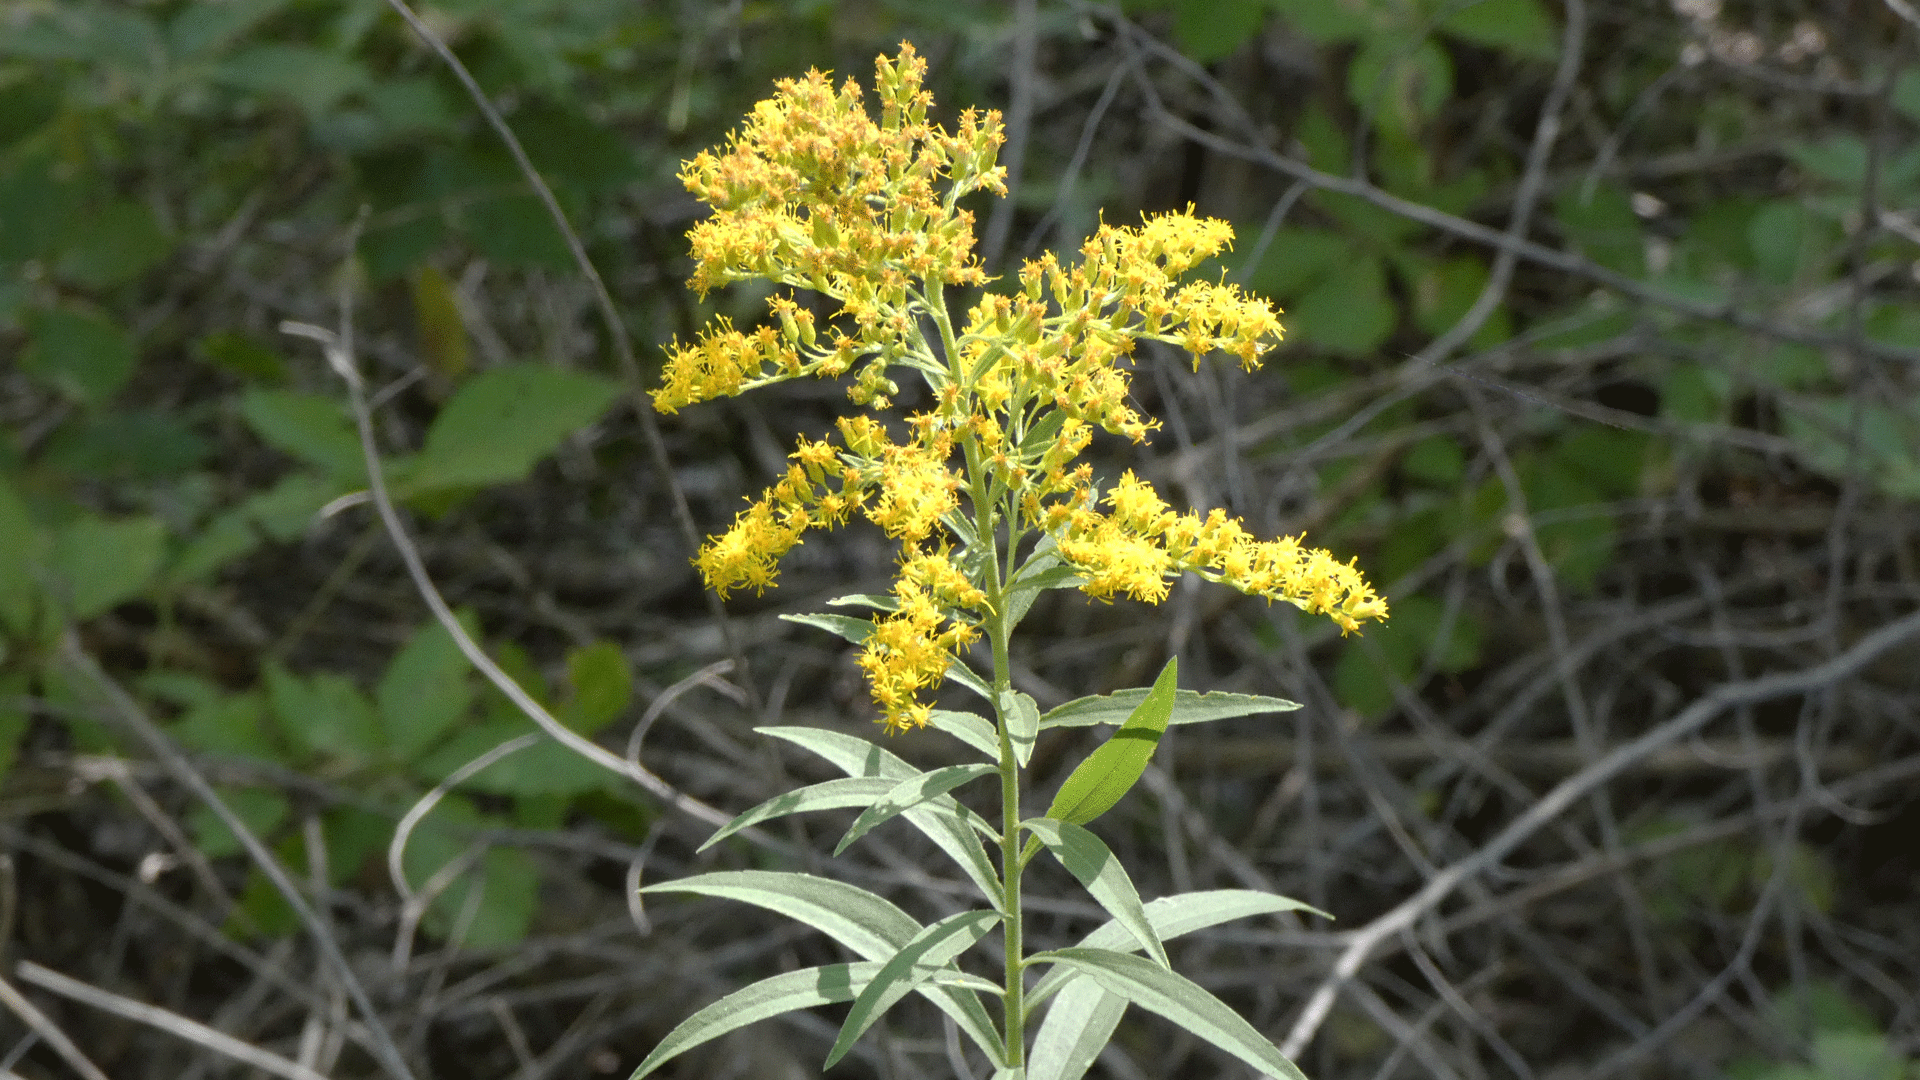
(910, 793)
(831, 795)
(929, 951)
(826, 985)
(1079, 1023)
(964, 675)
(1188, 708)
(1112, 769)
(854, 630)
(1023, 723)
(970, 728)
(1088, 859)
(869, 925)
(1180, 1000)
(944, 821)
(1172, 917)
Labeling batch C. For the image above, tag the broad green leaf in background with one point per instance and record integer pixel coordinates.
(1520, 27)
(243, 356)
(602, 684)
(203, 29)
(144, 444)
(1329, 23)
(491, 904)
(517, 231)
(1211, 29)
(231, 724)
(1444, 292)
(1400, 82)
(259, 809)
(1420, 636)
(427, 688)
(929, 950)
(504, 420)
(324, 714)
(1158, 990)
(1348, 312)
(1088, 859)
(1601, 225)
(82, 355)
(910, 793)
(101, 564)
(438, 324)
(309, 427)
(827, 985)
(113, 244)
(312, 78)
(545, 769)
(1778, 236)
(25, 545)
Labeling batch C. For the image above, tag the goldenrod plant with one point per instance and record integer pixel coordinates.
(988, 497)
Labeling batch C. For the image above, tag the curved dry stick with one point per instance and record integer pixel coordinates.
(1573, 789)
(603, 300)
(380, 1042)
(165, 1020)
(340, 359)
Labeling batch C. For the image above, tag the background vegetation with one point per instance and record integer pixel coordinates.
(1604, 357)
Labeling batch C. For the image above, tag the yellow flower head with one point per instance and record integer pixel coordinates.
(814, 193)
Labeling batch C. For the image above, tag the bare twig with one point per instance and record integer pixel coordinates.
(162, 1020)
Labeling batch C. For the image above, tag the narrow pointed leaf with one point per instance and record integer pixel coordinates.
(1172, 917)
(826, 985)
(1188, 708)
(964, 675)
(876, 601)
(910, 793)
(944, 821)
(831, 795)
(1180, 1000)
(1087, 858)
(1023, 723)
(854, 630)
(970, 728)
(1010, 1074)
(1079, 1023)
(867, 924)
(1111, 770)
(929, 951)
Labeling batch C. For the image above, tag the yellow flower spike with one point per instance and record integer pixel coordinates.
(813, 191)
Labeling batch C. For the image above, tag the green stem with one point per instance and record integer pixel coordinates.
(1011, 862)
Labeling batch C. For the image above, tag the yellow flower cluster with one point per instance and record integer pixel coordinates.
(813, 193)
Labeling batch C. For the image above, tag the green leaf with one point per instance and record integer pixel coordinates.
(1778, 235)
(962, 674)
(427, 688)
(1180, 1000)
(314, 79)
(324, 714)
(827, 985)
(1520, 27)
(910, 793)
(1111, 770)
(309, 427)
(860, 791)
(112, 245)
(1603, 227)
(1211, 29)
(259, 809)
(545, 769)
(203, 29)
(14, 720)
(25, 545)
(504, 420)
(1079, 1023)
(1090, 861)
(930, 949)
(1445, 291)
(517, 231)
(1172, 917)
(952, 827)
(103, 564)
(970, 728)
(1401, 82)
(79, 354)
(872, 927)
(1348, 312)
(1188, 708)
(231, 724)
(876, 601)
(854, 630)
(1022, 716)
(491, 904)
(1330, 23)
(138, 445)
(437, 322)
(602, 686)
